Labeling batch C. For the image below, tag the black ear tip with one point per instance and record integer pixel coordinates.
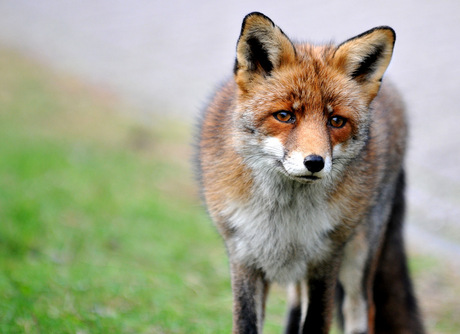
(392, 32)
(256, 14)
(388, 29)
(391, 29)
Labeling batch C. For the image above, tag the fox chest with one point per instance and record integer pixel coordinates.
(281, 240)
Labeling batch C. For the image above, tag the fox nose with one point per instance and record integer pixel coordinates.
(314, 163)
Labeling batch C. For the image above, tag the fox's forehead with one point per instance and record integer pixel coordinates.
(308, 51)
(309, 83)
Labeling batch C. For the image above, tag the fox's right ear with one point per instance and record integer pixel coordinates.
(262, 47)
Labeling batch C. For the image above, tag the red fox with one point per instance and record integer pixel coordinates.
(300, 160)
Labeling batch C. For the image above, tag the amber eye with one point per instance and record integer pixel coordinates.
(284, 116)
(337, 122)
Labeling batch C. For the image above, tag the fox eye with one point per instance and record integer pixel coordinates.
(284, 116)
(337, 122)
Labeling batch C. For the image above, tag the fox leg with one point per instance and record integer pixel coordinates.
(355, 307)
(297, 304)
(321, 284)
(249, 296)
(396, 307)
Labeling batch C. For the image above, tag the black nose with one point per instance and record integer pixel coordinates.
(314, 163)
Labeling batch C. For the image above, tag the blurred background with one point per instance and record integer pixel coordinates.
(114, 87)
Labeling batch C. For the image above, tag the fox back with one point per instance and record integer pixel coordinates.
(300, 158)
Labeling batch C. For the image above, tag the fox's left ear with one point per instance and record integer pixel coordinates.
(365, 57)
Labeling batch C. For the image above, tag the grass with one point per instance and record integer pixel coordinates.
(100, 227)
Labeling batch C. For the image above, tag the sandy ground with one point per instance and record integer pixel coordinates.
(167, 57)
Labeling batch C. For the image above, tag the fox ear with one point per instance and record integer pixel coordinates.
(262, 47)
(365, 57)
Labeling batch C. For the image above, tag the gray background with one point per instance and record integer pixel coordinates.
(168, 56)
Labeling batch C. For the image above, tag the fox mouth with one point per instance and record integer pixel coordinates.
(309, 177)
(304, 178)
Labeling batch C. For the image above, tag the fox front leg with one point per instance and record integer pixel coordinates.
(249, 297)
(321, 281)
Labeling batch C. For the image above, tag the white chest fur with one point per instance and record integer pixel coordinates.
(282, 232)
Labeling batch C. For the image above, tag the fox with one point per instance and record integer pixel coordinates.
(300, 161)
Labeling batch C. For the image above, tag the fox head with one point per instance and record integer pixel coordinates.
(304, 110)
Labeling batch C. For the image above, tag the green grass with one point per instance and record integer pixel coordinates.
(101, 230)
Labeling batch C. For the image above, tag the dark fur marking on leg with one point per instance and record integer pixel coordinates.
(247, 321)
(316, 321)
(396, 306)
(293, 324)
